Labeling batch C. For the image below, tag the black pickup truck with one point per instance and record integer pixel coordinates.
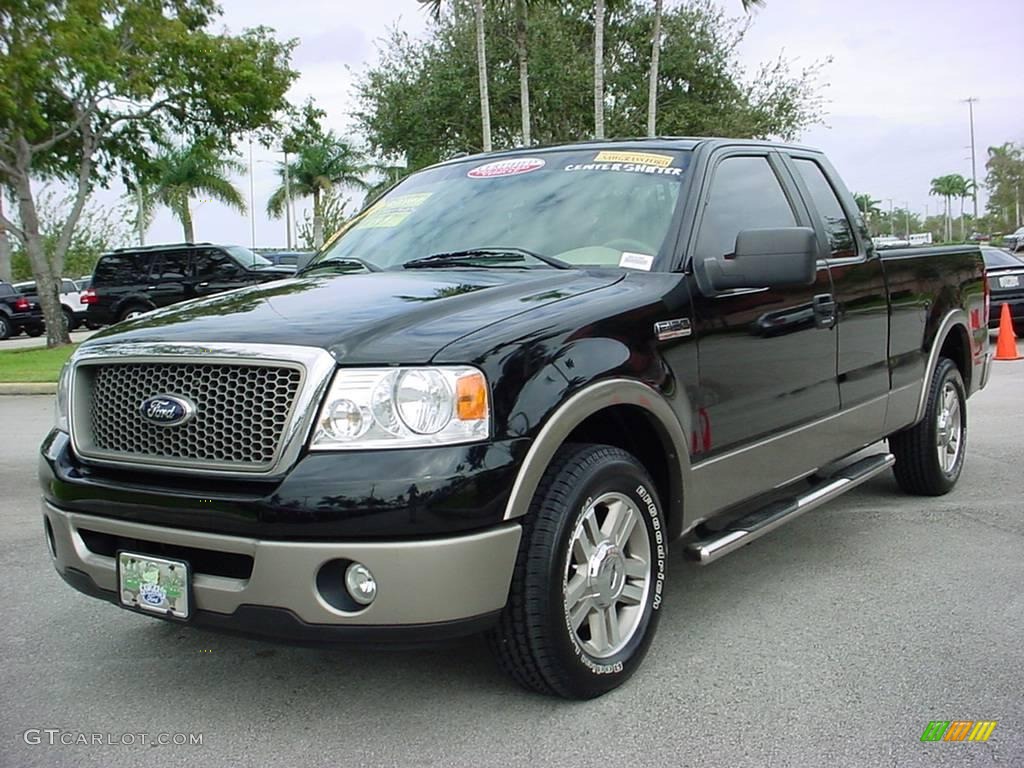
(500, 397)
(19, 313)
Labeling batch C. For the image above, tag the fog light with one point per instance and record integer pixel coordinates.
(360, 583)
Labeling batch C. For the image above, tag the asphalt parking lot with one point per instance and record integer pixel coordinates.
(831, 642)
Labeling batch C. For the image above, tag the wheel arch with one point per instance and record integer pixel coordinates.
(620, 412)
(952, 339)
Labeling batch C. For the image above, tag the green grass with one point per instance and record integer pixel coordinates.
(33, 364)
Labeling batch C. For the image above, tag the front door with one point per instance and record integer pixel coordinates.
(767, 356)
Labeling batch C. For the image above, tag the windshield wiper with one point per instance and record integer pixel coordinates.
(499, 255)
(367, 265)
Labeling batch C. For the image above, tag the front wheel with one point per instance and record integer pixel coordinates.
(6, 327)
(587, 585)
(930, 455)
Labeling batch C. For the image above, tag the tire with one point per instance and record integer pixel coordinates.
(5, 327)
(35, 331)
(69, 319)
(133, 310)
(919, 469)
(535, 641)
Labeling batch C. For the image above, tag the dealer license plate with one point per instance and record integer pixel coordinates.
(154, 584)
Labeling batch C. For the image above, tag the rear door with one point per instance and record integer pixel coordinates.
(767, 355)
(168, 278)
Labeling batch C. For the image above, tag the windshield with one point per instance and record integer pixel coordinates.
(996, 257)
(247, 258)
(584, 207)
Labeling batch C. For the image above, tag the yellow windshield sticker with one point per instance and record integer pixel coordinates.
(391, 211)
(640, 158)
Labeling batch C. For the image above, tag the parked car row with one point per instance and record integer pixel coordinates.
(19, 313)
(1005, 273)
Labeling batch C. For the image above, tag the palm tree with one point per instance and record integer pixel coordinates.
(652, 87)
(967, 190)
(948, 187)
(318, 166)
(434, 7)
(186, 172)
(867, 205)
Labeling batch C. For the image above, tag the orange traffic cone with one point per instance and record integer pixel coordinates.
(1006, 346)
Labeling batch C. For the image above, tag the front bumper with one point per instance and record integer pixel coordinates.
(426, 589)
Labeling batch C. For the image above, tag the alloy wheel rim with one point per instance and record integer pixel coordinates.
(949, 429)
(607, 575)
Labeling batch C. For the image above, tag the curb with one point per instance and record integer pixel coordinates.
(28, 388)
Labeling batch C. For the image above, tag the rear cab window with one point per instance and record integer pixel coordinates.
(837, 225)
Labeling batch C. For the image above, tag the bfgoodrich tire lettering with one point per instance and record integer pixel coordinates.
(535, 641)
(930, 455)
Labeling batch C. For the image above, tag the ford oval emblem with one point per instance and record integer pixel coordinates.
(167, 410)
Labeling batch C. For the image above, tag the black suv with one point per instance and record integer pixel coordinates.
(19, 313)
(130, 281)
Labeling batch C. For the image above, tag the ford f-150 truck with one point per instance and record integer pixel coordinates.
(504, 393)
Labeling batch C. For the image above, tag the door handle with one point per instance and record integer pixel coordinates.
(203, 285)
(824, 310)
(151, 288)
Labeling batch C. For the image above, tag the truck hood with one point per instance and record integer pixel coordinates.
(374, 318)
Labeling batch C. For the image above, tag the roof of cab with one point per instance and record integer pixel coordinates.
(653, 142)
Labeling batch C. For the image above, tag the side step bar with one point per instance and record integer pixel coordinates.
(768, 518)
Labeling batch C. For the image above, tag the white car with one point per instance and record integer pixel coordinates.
(70, 300)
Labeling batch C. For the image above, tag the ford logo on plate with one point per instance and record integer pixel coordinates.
(167, 410)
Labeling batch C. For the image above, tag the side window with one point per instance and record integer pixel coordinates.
(170, 266)
(67, 286)
(837, 225)
(745, 194)
(119, 269)
(210, 264)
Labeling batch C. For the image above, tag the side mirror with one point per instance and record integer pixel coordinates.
(767, 258)
(303, 261)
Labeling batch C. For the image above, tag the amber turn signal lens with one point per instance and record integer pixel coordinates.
(471, 392)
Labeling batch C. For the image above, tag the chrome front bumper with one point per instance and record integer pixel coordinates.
(418, 582)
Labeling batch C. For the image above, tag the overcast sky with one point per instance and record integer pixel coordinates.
(895, 117)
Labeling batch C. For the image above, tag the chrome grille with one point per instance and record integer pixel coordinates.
(242, 412)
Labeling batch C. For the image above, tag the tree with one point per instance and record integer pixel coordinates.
(88, 86)
(198, 169)
(333, 215)
(652, 86)
(522, 53)
(100, 228)
(481, 63)
(867, 205)
(1005, 181)
(320, 164)
(947, 187)
(412, 105)
(5, 243)
(599, 9)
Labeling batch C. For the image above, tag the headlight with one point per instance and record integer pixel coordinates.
(403, 407)
(60, 416)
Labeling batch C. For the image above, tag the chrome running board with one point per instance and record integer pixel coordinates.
(758, 523)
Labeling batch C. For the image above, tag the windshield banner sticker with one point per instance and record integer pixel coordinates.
(639, 158)
(392, 211)
(631, 260)
(511, 167)
(627, 167)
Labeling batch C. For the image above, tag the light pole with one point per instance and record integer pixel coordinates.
(974, 169)
(287, 200)
(906, 220)
(252, 197)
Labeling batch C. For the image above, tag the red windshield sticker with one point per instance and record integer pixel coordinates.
(511, 167)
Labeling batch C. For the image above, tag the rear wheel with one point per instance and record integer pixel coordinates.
(132, 312)
(35, 330)
(5, 327)
(69, 319)
(585, 594)
(930, 455)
